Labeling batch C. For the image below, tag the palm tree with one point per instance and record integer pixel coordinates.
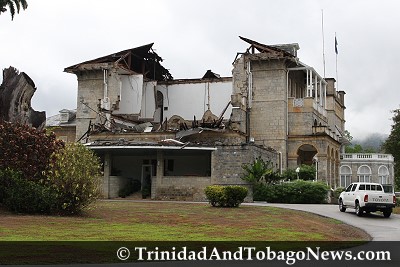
(13, 5)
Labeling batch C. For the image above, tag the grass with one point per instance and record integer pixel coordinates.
(125, 221)
(166, 221)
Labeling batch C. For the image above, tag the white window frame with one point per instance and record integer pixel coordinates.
(364, 176)
(383, 175)
(345, 176)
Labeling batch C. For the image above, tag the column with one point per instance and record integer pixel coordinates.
(316, 88)
(106, 175)
(157, 184)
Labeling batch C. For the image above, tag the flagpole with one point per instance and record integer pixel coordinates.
(336, 52)
(323, 41)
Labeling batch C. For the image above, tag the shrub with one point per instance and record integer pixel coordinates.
(124, 192)
(307, 172)
(21, 195)
(136, 185)
(74, 174)
(26, 149)
(260, 171)
(299, 191)
(5, 181)
(225, 196)
(337, 191)
(289, 174)
(214, 194)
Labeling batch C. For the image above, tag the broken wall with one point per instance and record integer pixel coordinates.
(261, 91)
(191, 98)
(130, 94)
(90, 90)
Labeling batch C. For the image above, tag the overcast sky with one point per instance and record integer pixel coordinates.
(193, 36)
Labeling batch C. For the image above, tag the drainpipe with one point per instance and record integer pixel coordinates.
(287, 102)
(105, 83)
(249, 99)
(250, 84)
(106, 100)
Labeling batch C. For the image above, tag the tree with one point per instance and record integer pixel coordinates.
(260, 171)
(74, 174)
(392, 145)
(27, 150)
(13, 5)
(307, 172)
(348, 135)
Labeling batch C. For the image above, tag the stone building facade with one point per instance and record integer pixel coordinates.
(366, 167)
(178, 136)
(283, 103)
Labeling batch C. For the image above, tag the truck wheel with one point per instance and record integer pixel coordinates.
(359, 211)
(342, 208)
(387, 213)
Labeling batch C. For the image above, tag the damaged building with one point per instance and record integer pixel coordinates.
(176, 136)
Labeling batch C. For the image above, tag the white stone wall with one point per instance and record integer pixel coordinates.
(190, 99)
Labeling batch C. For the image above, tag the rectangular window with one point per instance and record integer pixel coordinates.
(384, 179)
(364, 178)
(362, 187)
(344, 180)
(187, 163)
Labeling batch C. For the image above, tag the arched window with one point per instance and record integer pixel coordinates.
(345, 176)
(383, 174)
(364, 173)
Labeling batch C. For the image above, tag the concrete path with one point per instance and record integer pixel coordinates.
(378, 227)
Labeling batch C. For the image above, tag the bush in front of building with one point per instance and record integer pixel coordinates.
(296, 192)
(74, 174)
(25, 196)
(40, 174)
(260, 171)
(225, 196)
(26, 150)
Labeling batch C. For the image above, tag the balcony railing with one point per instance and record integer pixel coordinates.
(306, 104)
(366, 157)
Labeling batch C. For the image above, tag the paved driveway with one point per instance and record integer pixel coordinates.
(378, 227)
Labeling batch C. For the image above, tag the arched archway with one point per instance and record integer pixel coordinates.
(306, 154)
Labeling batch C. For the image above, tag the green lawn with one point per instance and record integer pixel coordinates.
(166, 221)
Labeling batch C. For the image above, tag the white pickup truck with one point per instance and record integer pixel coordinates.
(368, 197)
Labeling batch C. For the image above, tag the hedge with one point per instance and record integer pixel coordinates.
(24, 196)
(225, 196)
(299, 192)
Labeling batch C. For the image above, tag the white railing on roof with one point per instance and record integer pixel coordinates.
(366, 156)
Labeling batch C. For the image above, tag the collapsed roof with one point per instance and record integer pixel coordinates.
(289, 50)
(140, 60)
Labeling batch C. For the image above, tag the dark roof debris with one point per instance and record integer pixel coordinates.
(288, 50)
(211, 75)
(142, 59)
